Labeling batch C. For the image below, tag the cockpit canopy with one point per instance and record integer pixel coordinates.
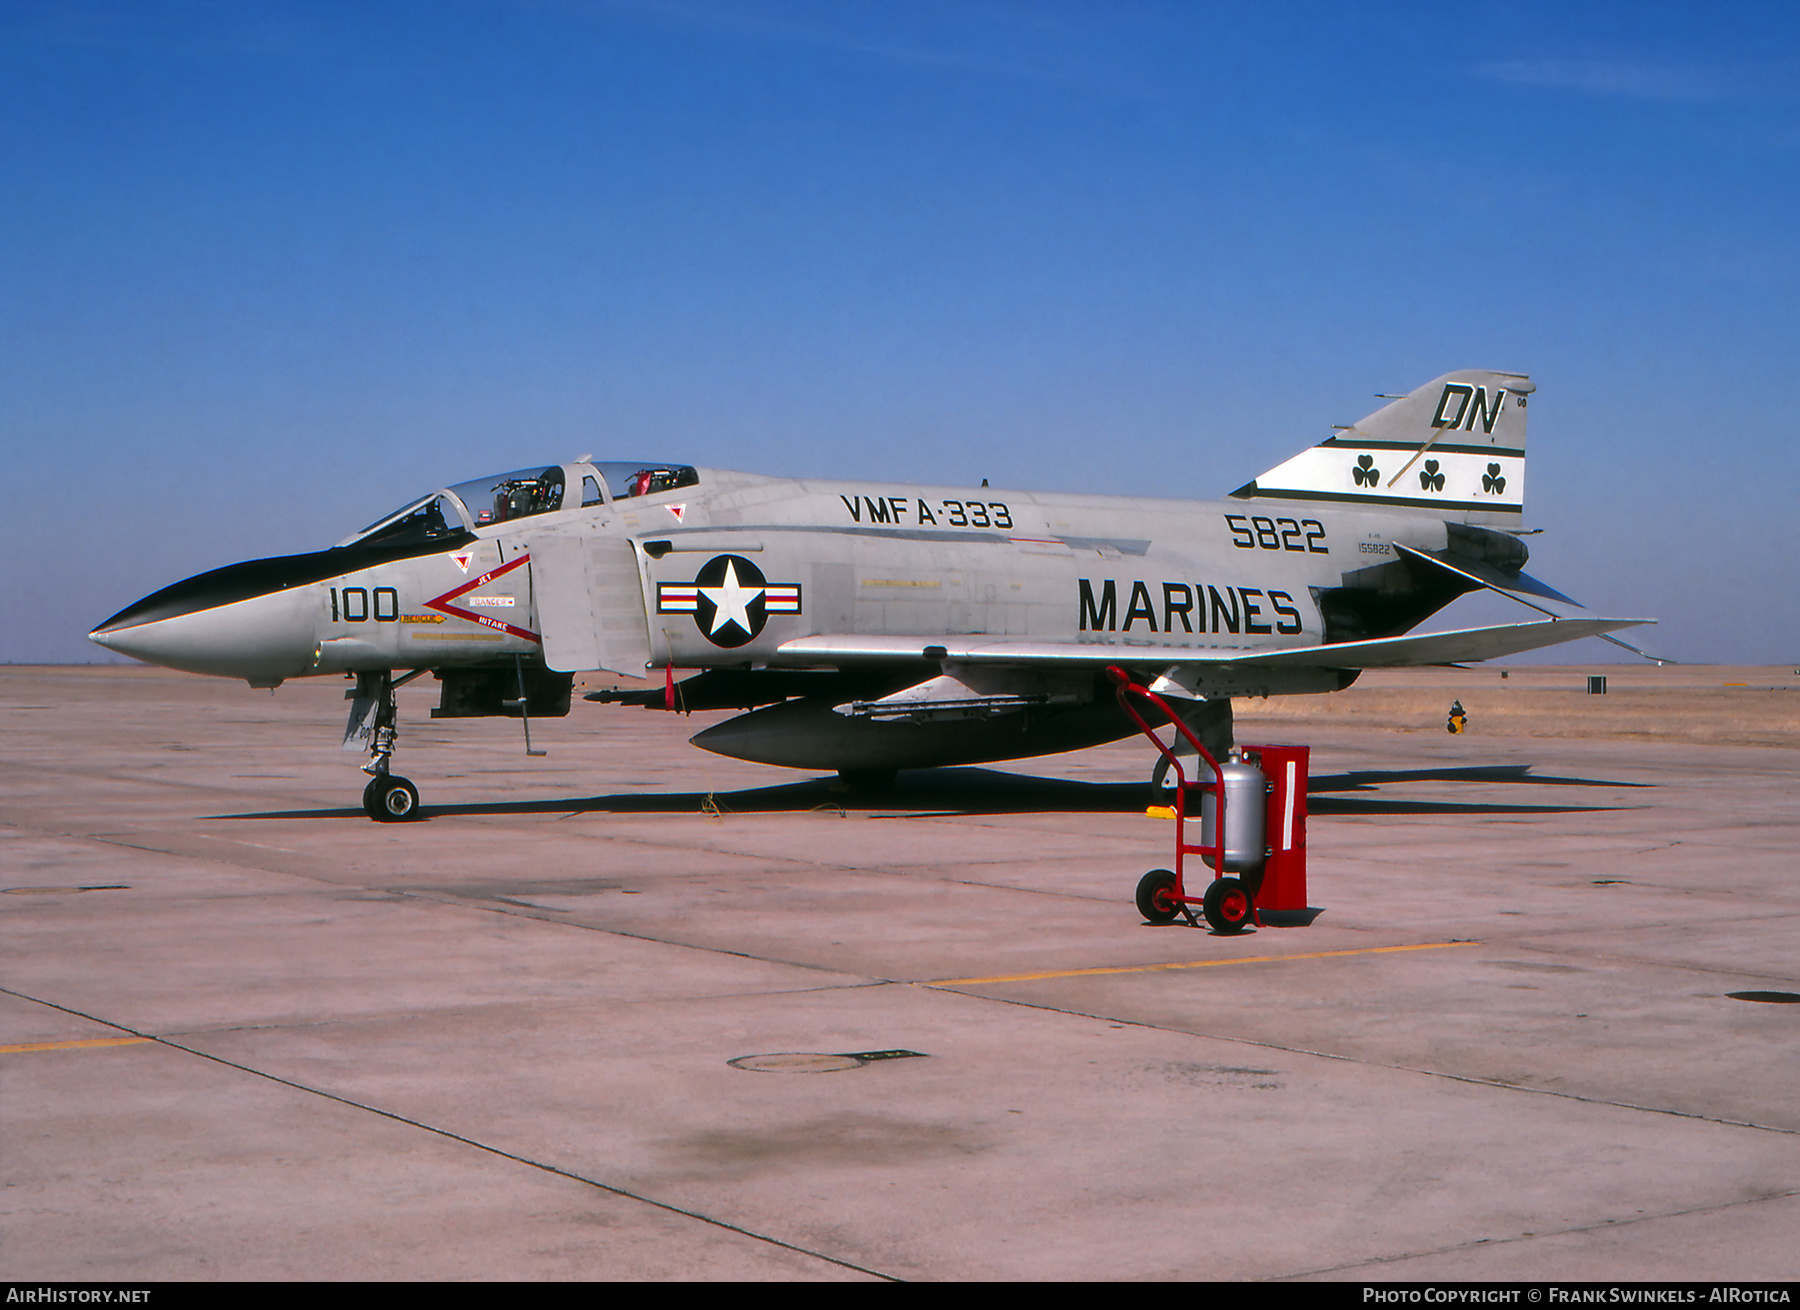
(458, 511)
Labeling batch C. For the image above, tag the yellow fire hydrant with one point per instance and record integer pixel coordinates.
(1459, 718)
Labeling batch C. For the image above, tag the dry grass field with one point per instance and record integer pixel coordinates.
(1712, 704)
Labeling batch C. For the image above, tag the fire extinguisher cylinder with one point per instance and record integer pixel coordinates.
(1246, 795)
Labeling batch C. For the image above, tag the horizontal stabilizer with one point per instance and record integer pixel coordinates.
(1467, 645)
(1658, 660)
(1516, 585)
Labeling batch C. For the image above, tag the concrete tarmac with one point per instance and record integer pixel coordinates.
(593, 1017)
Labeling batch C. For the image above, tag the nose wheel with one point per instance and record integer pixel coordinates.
(387, 798)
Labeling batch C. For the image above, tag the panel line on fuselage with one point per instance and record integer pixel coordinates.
(1124, 545)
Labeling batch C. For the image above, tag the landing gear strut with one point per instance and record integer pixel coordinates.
(387, 798)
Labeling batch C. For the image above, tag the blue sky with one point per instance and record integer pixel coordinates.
(267, 270)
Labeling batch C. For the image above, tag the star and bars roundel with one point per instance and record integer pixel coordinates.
(729, 599)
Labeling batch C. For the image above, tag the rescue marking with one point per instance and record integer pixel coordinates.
(1187, 964)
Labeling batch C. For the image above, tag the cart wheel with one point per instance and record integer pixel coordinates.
(1156, 896)
(1227, 906)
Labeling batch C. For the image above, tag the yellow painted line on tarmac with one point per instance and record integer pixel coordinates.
(71, 1046)
(1186, 964)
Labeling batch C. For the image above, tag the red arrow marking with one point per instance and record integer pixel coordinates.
(443, 606)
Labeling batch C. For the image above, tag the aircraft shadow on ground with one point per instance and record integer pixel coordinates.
(957, 792)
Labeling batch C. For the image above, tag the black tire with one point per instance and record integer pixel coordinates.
(369, 798)
(1162, 782)
(1228, 906)
(1212, 724)
(1156, 897)
(396, 800)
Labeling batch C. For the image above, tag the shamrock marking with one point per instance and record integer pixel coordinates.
(1430, 479)
(1492, 482)
(1365, 472)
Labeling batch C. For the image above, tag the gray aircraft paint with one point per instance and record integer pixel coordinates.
(1302, 577)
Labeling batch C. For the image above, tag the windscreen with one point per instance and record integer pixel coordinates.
(415, 524)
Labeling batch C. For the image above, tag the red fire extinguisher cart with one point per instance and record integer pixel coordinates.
(1258, 860)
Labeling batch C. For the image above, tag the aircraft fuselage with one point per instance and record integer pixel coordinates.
(871, 626)
(1152, 577)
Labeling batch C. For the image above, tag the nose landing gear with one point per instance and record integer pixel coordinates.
(388, 798)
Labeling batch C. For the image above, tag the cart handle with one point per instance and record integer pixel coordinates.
(1128, 688)
(1216, 848)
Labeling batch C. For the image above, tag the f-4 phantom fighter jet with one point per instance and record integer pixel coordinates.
(868, 627)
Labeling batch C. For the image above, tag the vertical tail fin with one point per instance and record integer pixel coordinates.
(1455, 447)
